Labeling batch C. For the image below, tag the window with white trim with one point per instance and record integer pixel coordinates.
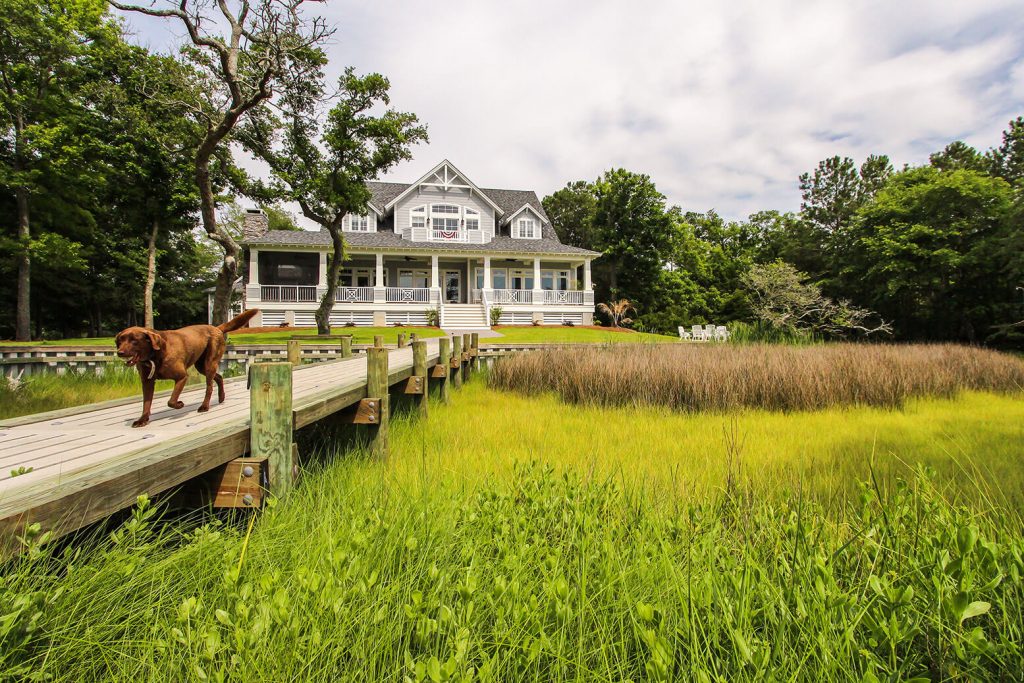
(472, 219)
(418, 217)
(445, 217)
(357, 277)
(525, 228)
(358, 223)
(521, 279)
(412, 278)
(554, 280)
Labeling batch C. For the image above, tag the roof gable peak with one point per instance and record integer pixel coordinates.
(445, 176)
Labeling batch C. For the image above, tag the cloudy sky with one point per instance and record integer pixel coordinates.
(723, 104)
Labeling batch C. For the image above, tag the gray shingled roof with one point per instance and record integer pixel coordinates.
(388, 240)
(510, 201)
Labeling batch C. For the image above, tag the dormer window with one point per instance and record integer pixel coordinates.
(526, 228)
(358, 223)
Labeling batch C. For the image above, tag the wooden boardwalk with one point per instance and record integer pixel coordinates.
(81, 464)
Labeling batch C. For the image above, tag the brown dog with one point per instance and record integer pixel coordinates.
(169, 353)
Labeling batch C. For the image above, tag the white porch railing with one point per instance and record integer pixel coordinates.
(555, 296)
(354, 295)
(407, 295)
(430, 234)
(513, 296)
(288, 293)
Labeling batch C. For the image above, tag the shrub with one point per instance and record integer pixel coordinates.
(729, 377)
(434, 316)
(495, 314)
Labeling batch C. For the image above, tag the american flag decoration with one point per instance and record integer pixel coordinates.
(449, 234)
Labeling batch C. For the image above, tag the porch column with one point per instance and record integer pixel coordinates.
(254, 266)
(323, 269)
(378, 280)
(587, 286)
(487, 273)
(433, 272)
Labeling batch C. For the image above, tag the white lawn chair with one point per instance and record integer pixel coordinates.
(721, 333)
(683, 334)
(709, 332)
(698, 333)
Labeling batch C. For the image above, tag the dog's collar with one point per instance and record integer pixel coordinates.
(152, 369)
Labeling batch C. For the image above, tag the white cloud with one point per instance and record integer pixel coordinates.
(724, 104)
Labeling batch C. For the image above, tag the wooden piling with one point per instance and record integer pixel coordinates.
(474, 351)
(270, 415)
(444, 357)
(378, 341)
(419, 371)
(295, 352)
(401, 340)
(456, 362)
(467, 344)
(346, 347)
(413, 337)
(377, 388)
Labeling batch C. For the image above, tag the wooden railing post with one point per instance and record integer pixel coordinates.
(474, 351)
(456, 362)
(467, 343)
(270, 421)
(294, 352)
(401, 340)
(378, 341)
(346, 347)
(419, 372)
(444, 357)
(377, 388)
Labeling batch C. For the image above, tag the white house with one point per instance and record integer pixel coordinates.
(441, 243)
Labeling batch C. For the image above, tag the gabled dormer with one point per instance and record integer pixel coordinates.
(525, 223)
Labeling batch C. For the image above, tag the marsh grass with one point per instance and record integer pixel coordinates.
(538, 577)
(769, 377)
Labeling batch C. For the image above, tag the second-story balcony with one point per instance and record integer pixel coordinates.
(429, 234)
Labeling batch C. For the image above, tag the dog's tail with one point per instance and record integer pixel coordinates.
(238, 321)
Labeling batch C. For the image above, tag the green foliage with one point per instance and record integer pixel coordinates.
(495, 315)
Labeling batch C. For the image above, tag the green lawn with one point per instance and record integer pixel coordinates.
(563, 334)
(360, 335)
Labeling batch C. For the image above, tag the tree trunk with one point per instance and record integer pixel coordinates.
(147, 296)
(229, 268)
(23, 324)
(323, 314)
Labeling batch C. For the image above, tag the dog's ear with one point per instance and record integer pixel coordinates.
(117, 339)
(155, 340)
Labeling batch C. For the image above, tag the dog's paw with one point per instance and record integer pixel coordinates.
(203, 408)
(177, 405)
(141, 422)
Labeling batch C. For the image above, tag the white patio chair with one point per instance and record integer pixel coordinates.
(709, 332)
(698, 333)
(721, 333)
(683, 334)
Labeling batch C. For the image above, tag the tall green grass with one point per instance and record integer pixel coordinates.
(513, 538)
(770, 377)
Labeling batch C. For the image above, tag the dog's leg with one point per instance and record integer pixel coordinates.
(209, 393)
(220, 387)
(147, 402)
(179, 385)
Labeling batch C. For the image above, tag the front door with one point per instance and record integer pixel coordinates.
(452, 286)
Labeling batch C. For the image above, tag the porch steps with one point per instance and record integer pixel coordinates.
(464, 317)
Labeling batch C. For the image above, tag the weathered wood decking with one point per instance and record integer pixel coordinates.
(87, 462)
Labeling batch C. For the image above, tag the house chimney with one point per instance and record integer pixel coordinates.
(256, 224)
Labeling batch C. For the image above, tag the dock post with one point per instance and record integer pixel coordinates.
(457, 360)
(401, 340)
(474, 351)
(294, 352)
(377, 388)
(419, 372)
(444, 357)
(270, 417)
(413, 337)
(467, 345)
(378, 341)
(346, 347)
